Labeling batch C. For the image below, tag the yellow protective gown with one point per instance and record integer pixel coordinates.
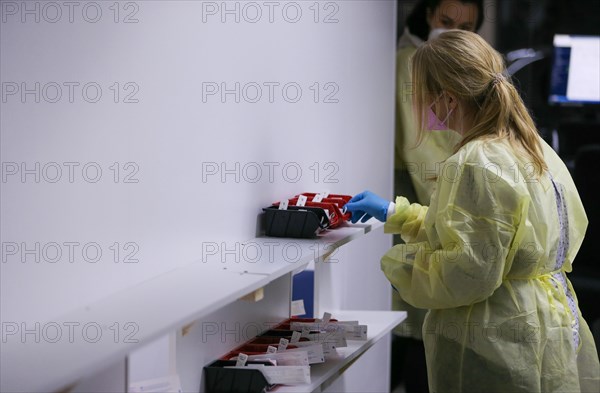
(488, 258)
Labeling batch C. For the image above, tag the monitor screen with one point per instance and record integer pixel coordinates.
(575, 70)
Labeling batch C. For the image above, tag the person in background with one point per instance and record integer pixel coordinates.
(415, 168)
(428, 19)
(488, 257)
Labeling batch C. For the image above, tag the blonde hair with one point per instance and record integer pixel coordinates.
(462, 63)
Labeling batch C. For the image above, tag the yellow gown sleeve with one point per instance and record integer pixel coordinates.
(467, 247)
(407, 221)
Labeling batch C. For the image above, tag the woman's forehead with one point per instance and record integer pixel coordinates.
(457, 11)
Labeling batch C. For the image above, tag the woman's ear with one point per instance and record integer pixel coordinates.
(452, 100)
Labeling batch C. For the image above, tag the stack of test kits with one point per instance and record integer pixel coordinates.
(282, 355)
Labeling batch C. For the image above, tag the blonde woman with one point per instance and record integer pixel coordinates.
(488, 257)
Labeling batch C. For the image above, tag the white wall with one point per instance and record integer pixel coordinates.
(167, 138)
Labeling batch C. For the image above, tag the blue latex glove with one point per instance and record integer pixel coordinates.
(366, 205)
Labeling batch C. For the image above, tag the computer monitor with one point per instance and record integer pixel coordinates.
(575, 70)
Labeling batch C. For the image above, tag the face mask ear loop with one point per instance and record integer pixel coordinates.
(435, 100)
(444, 122)
(447, 117)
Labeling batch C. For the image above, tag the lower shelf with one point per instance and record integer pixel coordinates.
(380, 323)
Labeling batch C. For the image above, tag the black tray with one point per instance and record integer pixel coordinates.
(219, 379)
(296, 221)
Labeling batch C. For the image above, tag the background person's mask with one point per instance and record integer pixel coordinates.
(436, 32)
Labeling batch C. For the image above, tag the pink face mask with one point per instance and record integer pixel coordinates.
(434, 123)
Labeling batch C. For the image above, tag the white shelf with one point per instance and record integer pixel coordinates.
(152, 309)
(379, 324)
(275, 256)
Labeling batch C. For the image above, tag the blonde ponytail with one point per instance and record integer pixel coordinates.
(464, 64)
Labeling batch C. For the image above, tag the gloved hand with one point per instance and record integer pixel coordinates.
(367, 205)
